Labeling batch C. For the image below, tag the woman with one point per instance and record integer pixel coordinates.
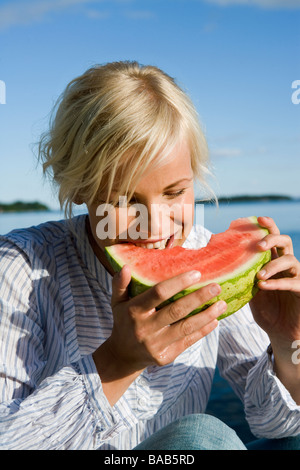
(83, 365)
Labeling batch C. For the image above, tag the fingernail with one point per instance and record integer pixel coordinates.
(194, 275)
(262, 273)
(262, 243)
(214, 290)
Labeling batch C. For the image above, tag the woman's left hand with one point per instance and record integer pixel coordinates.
(276, 307)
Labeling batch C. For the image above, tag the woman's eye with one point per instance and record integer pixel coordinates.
(175, 194)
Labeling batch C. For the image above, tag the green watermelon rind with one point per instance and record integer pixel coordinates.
(237, 289)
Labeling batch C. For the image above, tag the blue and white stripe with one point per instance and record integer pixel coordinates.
(55, 311)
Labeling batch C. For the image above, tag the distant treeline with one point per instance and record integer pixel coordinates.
(20, 206)
(251, 198)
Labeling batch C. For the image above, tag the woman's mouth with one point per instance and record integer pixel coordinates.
(159, 245)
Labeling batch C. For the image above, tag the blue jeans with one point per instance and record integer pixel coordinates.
(205, 432)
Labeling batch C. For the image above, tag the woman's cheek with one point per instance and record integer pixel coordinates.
(187, 215)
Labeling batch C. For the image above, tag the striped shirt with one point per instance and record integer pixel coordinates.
(55, 311)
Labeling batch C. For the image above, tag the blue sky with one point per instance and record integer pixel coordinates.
(237, 59)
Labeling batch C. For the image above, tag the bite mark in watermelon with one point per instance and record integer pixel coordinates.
(231, 259)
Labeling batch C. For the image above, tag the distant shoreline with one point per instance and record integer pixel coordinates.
(21, 206)
(250, 198)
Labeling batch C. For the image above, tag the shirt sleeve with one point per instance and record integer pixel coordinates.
(244, 362)
(269, 407)
(67, 410)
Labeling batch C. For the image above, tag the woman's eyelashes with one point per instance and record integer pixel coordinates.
(168, 195)
(174, 194)
(124, 202)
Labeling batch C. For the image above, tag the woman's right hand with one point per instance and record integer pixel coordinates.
(143, 336)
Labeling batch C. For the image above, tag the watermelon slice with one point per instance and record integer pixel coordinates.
(230, 258)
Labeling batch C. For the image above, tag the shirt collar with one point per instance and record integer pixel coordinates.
(88, 255)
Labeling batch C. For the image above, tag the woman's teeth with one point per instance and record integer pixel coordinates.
(159, 245)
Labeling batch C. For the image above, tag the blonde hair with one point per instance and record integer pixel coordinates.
(119, 115)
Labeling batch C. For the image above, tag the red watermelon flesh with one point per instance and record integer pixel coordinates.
(230, 258)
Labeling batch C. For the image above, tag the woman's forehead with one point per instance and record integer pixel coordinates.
(163, 171)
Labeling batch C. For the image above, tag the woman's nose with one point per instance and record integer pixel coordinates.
(160, 220)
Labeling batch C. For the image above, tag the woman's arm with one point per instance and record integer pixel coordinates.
(269, 388)
(276, 307)
(67, 410)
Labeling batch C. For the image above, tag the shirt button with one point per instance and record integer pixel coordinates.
(143, 381)
(142, 402)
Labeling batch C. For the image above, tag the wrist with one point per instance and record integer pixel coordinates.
(116, 375)
(286, 369)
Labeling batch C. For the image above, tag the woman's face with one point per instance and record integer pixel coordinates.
(159, 216)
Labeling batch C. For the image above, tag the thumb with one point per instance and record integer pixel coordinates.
(120, 285)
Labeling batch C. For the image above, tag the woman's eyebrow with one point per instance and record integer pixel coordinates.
(182, 180)
(178, 182)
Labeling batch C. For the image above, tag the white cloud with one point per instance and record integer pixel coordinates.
(26, 12)
(20, 12)
(271, 4)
